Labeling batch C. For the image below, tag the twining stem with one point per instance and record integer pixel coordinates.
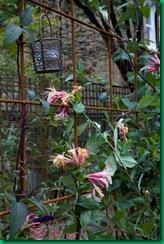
(115, 151)
(77, 212)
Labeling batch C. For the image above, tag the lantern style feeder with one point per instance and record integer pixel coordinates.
(47, 51)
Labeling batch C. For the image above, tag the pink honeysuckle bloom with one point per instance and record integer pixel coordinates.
(154, 64)
(59, 160)
(122, 129)
(77, 155)
(54, 96)
(99, 180)
(62, 112)
(36, 230)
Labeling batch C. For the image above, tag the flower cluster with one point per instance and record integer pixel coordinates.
(99, 181)
(122, 129)
(75, 156)
(154, 64)
(63, 98)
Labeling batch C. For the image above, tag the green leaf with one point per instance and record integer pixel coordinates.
(81, 128)
(128, 161)
(88, 203)
(133, 46)
(18, 214)
(68, 181)
(146, 101)
(94, 142)
(103, 97)
(78, 107)
(115, 185)
(12, 33)
(26, 16)
(97, 214)
(129, 13)
(124, 204)
(70, 229)
(31, 94)
(10, 197)
(94, 4)
(39, 205)
(111, 165)
(147, 227)
(145, 10)
(85, 217)
(120, 55)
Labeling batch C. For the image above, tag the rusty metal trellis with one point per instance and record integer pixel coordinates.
(24, 104)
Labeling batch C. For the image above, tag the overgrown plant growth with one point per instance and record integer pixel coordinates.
(106, 184)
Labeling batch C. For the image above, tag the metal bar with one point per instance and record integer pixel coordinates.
(46, 202)
(72, 18)
(74, 69)
(21, 72)
(56, 105)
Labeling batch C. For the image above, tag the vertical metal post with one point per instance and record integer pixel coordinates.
(74, 69)
(110, 64)
(21, 69)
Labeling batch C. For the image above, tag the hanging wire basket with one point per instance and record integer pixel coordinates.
(47, 51)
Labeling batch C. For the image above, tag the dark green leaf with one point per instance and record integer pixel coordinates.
(124, 204)
(39, 205)
(120, 55)
(18, 214)
(26, 16)
(70, 229)
(81, 128)
(12, 33)
(115, 185)
(88, 203)
(129, 13)
(85, 217)
(133, 46)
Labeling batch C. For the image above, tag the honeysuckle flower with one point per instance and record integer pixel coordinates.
(122, 129)
(62, 112)
(59, 160)
(54, 96)
(154, 64)
(37, 230)
(65, 98)
(77, 155)
(99, 181)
